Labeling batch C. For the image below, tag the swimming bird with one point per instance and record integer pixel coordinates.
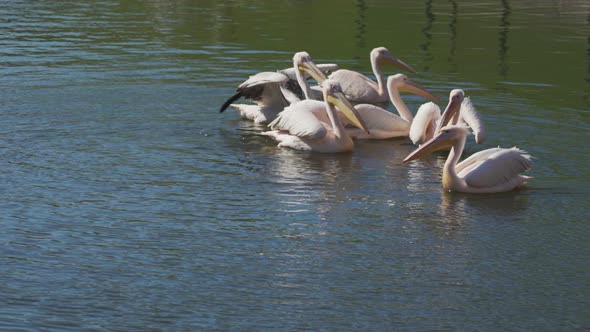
(358, 88)
(427, 121)
(299, 128)
(488, 171)
(381, 123)
(273, 91)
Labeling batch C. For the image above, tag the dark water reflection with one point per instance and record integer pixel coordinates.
(503, 39)
(131, 204)
(588, 51)
(361, 23)
(453, 33)
(426, 31)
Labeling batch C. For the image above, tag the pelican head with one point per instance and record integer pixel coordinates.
(402, 83)
(333, 94)
(453, 107)
(380, 55)
(446, 138)
(303, 61)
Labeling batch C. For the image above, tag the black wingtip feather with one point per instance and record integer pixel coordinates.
(230, 100)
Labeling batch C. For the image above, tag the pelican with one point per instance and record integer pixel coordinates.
(488, 171)
(298, 127)
(427, 121)
(358, 88)
(381, 123)
(273, 91)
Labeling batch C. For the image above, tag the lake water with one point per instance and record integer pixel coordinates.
(130, 204)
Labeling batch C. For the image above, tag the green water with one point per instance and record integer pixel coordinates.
(130, 204)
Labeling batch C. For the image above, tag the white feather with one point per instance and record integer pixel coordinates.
(324, 67)
(497, 168)
(424, 123)
(299, 120)
(381, 123)
(476, 157)
(357, 87)
(470, 116)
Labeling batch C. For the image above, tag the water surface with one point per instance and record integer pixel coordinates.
(131, 204)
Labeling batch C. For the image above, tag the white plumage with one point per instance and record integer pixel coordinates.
(427, 121)
(300, 119)
(381, 123)
(495, 168)
(273, 91)
(488, 171)
(469, 115)
(358, 88)
(424, 124)
(306, 126)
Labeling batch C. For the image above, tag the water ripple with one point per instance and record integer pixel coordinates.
(130, 203)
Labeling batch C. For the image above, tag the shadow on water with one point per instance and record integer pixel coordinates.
(503, 39)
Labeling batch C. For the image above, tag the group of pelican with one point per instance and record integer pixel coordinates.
(351, 107)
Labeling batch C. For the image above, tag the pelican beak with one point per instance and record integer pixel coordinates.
(340, 101)
(436, 143)
(413, 88)
(397, 62)
(452, 108)
(313, 70)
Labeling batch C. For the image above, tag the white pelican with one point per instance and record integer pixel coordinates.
(381, 123)
(488, 171)
(358, 88)
(298, 127)
(273, 91)
(427, 121)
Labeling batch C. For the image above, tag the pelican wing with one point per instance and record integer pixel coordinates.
(263, 78)
(470, 115)
(324, 67)
(500, 166)
(291, 93)
(264, 88)
(377, 118)
(424, 123)
(476, 158)
(299, 120)
(328, 68)
(356, 86)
